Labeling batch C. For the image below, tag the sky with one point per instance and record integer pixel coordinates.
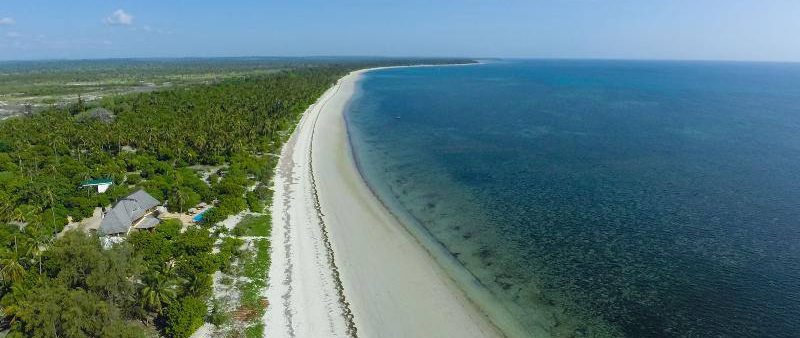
(756, 30)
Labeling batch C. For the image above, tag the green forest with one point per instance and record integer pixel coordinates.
(155, 283)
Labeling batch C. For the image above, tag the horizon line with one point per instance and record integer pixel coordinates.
(322, 56)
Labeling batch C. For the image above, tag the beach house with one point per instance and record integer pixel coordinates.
(136, 211)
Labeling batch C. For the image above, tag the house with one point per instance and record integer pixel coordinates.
(102, 185)
(132, 212)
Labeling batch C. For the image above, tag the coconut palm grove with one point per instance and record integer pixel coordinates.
(70, 283)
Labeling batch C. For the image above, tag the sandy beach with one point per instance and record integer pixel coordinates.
(342, 264)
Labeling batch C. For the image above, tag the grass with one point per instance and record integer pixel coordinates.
(256, 266)
(254, 331)
(252, 225)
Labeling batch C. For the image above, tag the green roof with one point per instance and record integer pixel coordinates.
(97, 182)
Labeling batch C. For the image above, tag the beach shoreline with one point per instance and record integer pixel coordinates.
(374, 276)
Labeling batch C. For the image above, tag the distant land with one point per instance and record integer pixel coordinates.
(30, 85)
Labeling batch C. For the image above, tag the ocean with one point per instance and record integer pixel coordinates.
(601, 198)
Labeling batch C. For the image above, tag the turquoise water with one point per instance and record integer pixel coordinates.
(602, 198)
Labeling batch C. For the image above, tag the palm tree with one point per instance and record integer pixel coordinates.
(12, 269)
(180, 197)
(6, 208)
(49, 193)
(13, 302)
(196, 284)
(157, 291)
(39, 241)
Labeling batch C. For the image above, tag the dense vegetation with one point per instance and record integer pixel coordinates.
(49, 81)
(54, 77)
(156, 281)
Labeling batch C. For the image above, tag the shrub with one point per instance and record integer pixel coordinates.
(184, 317)
(253, 226)
(253, 202)
(153, 247)
(263, 192)
(134, 179)
(199, 285)
(232, 204)
(218, 316)
(254, 331)
(195, 241)
(170, 229)
(213, 216)
(239, 231)
(230, 246)
(204, 262)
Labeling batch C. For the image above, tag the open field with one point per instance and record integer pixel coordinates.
(30, 86)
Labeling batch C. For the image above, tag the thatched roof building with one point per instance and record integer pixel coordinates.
(131, 211)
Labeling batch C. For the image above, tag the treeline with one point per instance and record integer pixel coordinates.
(47, 77)
(155, 282)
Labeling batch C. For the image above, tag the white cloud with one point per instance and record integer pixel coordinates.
(7, 21)
(32, 42)
(13, 35)
(148, 29)
(119, 18)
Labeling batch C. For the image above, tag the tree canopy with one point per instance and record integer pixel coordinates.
(70, 286)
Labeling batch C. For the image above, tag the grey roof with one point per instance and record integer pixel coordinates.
(120, 218)
(144, 199)
(148, 222)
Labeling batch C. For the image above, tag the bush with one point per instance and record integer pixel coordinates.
(253, 202)
(228, 205)
(218, 316)
(195, 241)
(153, 247)
(170, 229)
(254, 331)
(231, 204)
(230, 187)
(201, 263)
(263, 192)
(134, 179)
(213, 216)
(184, 317)
(239, 231)
(228, 250)
(213, 179)
(253, 226)
(199, 285)
(230, 247)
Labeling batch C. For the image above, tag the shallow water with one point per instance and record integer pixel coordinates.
(602, 198)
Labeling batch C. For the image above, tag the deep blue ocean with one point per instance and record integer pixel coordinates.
(602, 198)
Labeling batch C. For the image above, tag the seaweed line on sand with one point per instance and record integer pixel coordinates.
(345, 305)
(288, 245)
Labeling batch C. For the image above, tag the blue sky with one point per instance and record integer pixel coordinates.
(635, 29)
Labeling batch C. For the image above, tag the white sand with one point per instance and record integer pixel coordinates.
(303, 301)
(392, 286)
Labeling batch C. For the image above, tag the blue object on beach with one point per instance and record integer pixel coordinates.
(199, 217)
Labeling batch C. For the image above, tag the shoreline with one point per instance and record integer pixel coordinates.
(465, 282)
(374, 276)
